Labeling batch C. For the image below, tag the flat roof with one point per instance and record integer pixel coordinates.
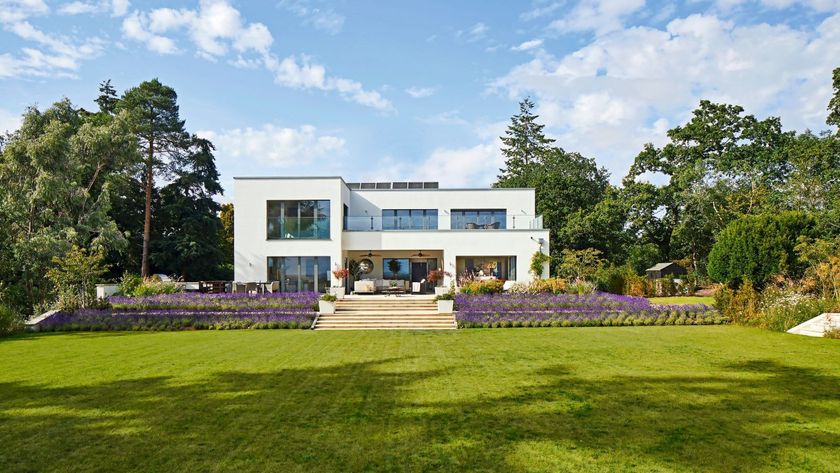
(269, 178)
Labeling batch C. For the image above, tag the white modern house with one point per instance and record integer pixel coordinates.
(296, 230)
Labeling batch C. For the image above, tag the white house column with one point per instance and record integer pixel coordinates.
(449, 267)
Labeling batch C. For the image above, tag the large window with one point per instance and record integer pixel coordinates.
(409, 219)
(396, 268)
(487, 267)
(478, 219)
(300, 273)
(291, 219)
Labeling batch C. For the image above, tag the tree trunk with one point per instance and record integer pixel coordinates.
(147, 223)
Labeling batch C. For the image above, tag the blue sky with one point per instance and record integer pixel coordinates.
(422, 90)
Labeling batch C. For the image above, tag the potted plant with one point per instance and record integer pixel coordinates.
(326, 304)
(435, 277)
(340, 274)
(445, 302)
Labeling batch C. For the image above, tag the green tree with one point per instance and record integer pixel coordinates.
(75, 276)
(161, 138)
(580, 264)
(226, 217)
(757, 247)
(720, 165)
(834, 104)
(188, 224)
(56, 173)
(523, 146)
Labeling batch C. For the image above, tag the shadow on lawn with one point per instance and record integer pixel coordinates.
(361, 417)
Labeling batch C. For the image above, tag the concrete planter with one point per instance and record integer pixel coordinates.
(326, 307)
(338, 292)
(441, 290)
(445, 307)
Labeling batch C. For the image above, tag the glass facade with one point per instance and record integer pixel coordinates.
(409, 219)
(292, 219)
(478, 219)
(300, 273)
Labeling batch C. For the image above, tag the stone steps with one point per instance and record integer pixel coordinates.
(393, 313)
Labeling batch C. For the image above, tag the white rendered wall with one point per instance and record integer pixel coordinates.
(519, 202)
(251, 245)
(454, 243)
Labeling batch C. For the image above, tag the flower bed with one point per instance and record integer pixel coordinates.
(192, 311)
(569, 310)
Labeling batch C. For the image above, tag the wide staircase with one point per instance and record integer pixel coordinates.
(386, 313)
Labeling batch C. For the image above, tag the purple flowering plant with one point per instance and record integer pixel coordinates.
(573, 310)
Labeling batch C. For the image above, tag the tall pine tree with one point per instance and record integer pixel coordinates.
(162, 139)
(524, 145)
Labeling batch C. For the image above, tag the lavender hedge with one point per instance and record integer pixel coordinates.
(570, 310)
(232, 302)
(192, 311)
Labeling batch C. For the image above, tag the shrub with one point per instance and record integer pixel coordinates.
(74, 278)
(756, 247)
(538, 261)
(490, 286)
(129, 284)
(611, 279)
(580, 287)
(446, 296)
(153, 286)
(329, 298)
(9, 321)
(832, 333)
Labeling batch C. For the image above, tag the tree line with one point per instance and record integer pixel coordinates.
(125, 183)
(722, 166)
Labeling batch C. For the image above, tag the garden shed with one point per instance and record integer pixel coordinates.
(664, 270)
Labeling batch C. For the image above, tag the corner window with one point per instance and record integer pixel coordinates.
(298, 219)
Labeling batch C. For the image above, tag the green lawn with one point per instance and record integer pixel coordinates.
(683, 300)
(710, 398)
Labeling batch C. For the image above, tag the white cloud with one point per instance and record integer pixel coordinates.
(114, 7)
(818, 5)
(9, 121)
(324, 19)
(420, 92)
(624, 89)
(275, 146)
(217, 29)
(449, 117)
(12, 11)
(462, 167)
(526, 45)
(600, 16)
(214, 29)
(302, 73)
(47, 54)
(474, 33)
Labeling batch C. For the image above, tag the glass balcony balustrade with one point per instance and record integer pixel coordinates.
(442, 223)
(299, 227)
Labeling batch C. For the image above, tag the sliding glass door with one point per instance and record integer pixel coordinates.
(300, 273)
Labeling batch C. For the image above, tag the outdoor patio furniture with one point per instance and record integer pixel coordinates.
(365, 286)
(240, 288)
(251, 287)
(417, 287)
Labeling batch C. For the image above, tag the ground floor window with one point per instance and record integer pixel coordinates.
(300, 273)
(499, 267)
